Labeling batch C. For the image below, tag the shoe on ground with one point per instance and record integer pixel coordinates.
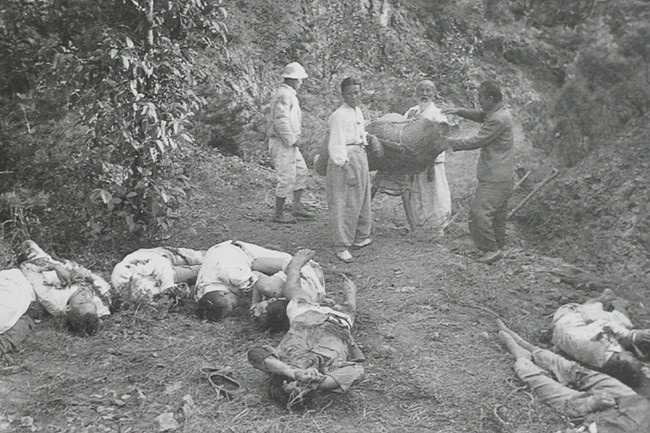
(303, 213)
(284, 218)
(363, 243)
(490, 257)
(344, 256)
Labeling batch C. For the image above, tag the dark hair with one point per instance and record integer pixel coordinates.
(276, 316)
(349, 81)
(212, 307)
(85, 324)
(492, 89)
(284, 398)
(627, 371)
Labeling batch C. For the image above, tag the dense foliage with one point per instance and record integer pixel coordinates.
(104, 102)
(99, 100)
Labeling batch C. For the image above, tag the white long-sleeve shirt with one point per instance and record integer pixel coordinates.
(285, 117)
(346, 126)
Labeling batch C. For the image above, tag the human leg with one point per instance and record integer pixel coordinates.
(284, 162)
(342, 221)
(441, 198)
(293, 288)
(362, 197)
(300, 185)
(408, 209)
(184, 274)
(11, 339)
(503, 194)
(481, 215)
(350, 297)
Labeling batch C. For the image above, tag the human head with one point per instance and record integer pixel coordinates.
(351, 91)
(81, 315)
(425, 90)
(489, 94)
(271, 314)
(293, 75)
(214, 306)
(31, 251)
(625, 367)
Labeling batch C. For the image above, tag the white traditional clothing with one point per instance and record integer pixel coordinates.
(430, 199)
(283, 130)
(150, 271)
(227, 267)
(16, 294)
(580, 331)
(52, 293)
(348, 179)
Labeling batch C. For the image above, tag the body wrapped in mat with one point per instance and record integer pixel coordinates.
(405, 146)
(409, 146)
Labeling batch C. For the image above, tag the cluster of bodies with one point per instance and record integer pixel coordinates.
(596, 375)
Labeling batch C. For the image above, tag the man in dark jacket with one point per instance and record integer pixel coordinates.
(495, 171)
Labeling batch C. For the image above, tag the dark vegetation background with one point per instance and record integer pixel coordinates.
(107, 106)
(131, 123)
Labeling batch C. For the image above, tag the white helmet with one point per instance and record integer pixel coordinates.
(295, 71)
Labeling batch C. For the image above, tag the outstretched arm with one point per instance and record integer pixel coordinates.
(473, 115)
(292, 287)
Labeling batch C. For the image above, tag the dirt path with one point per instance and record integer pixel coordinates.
(425, 322)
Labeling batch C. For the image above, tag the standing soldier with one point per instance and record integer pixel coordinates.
(283, 131)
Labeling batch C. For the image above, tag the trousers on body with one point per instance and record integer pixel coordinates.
(348, 199)
(488, 214)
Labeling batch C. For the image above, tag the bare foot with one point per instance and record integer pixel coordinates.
(515, 337)
(513, 347)
(303, 256)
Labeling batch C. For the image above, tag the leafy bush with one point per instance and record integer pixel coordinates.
(125, 71)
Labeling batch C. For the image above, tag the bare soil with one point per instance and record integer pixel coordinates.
(426, 323)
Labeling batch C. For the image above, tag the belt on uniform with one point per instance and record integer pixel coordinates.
(356, 144)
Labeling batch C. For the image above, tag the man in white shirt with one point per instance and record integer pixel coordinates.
(428, 201)
(228, 275)
(148, 272)
(598, 333)
(348, 179)
(284, 130)
(66, 289)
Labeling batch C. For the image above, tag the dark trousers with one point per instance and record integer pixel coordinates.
(488, 214)
(11, 338)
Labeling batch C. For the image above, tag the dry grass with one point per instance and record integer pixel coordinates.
(425, 322)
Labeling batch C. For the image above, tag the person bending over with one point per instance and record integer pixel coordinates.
(598, 401)
(318, 352)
